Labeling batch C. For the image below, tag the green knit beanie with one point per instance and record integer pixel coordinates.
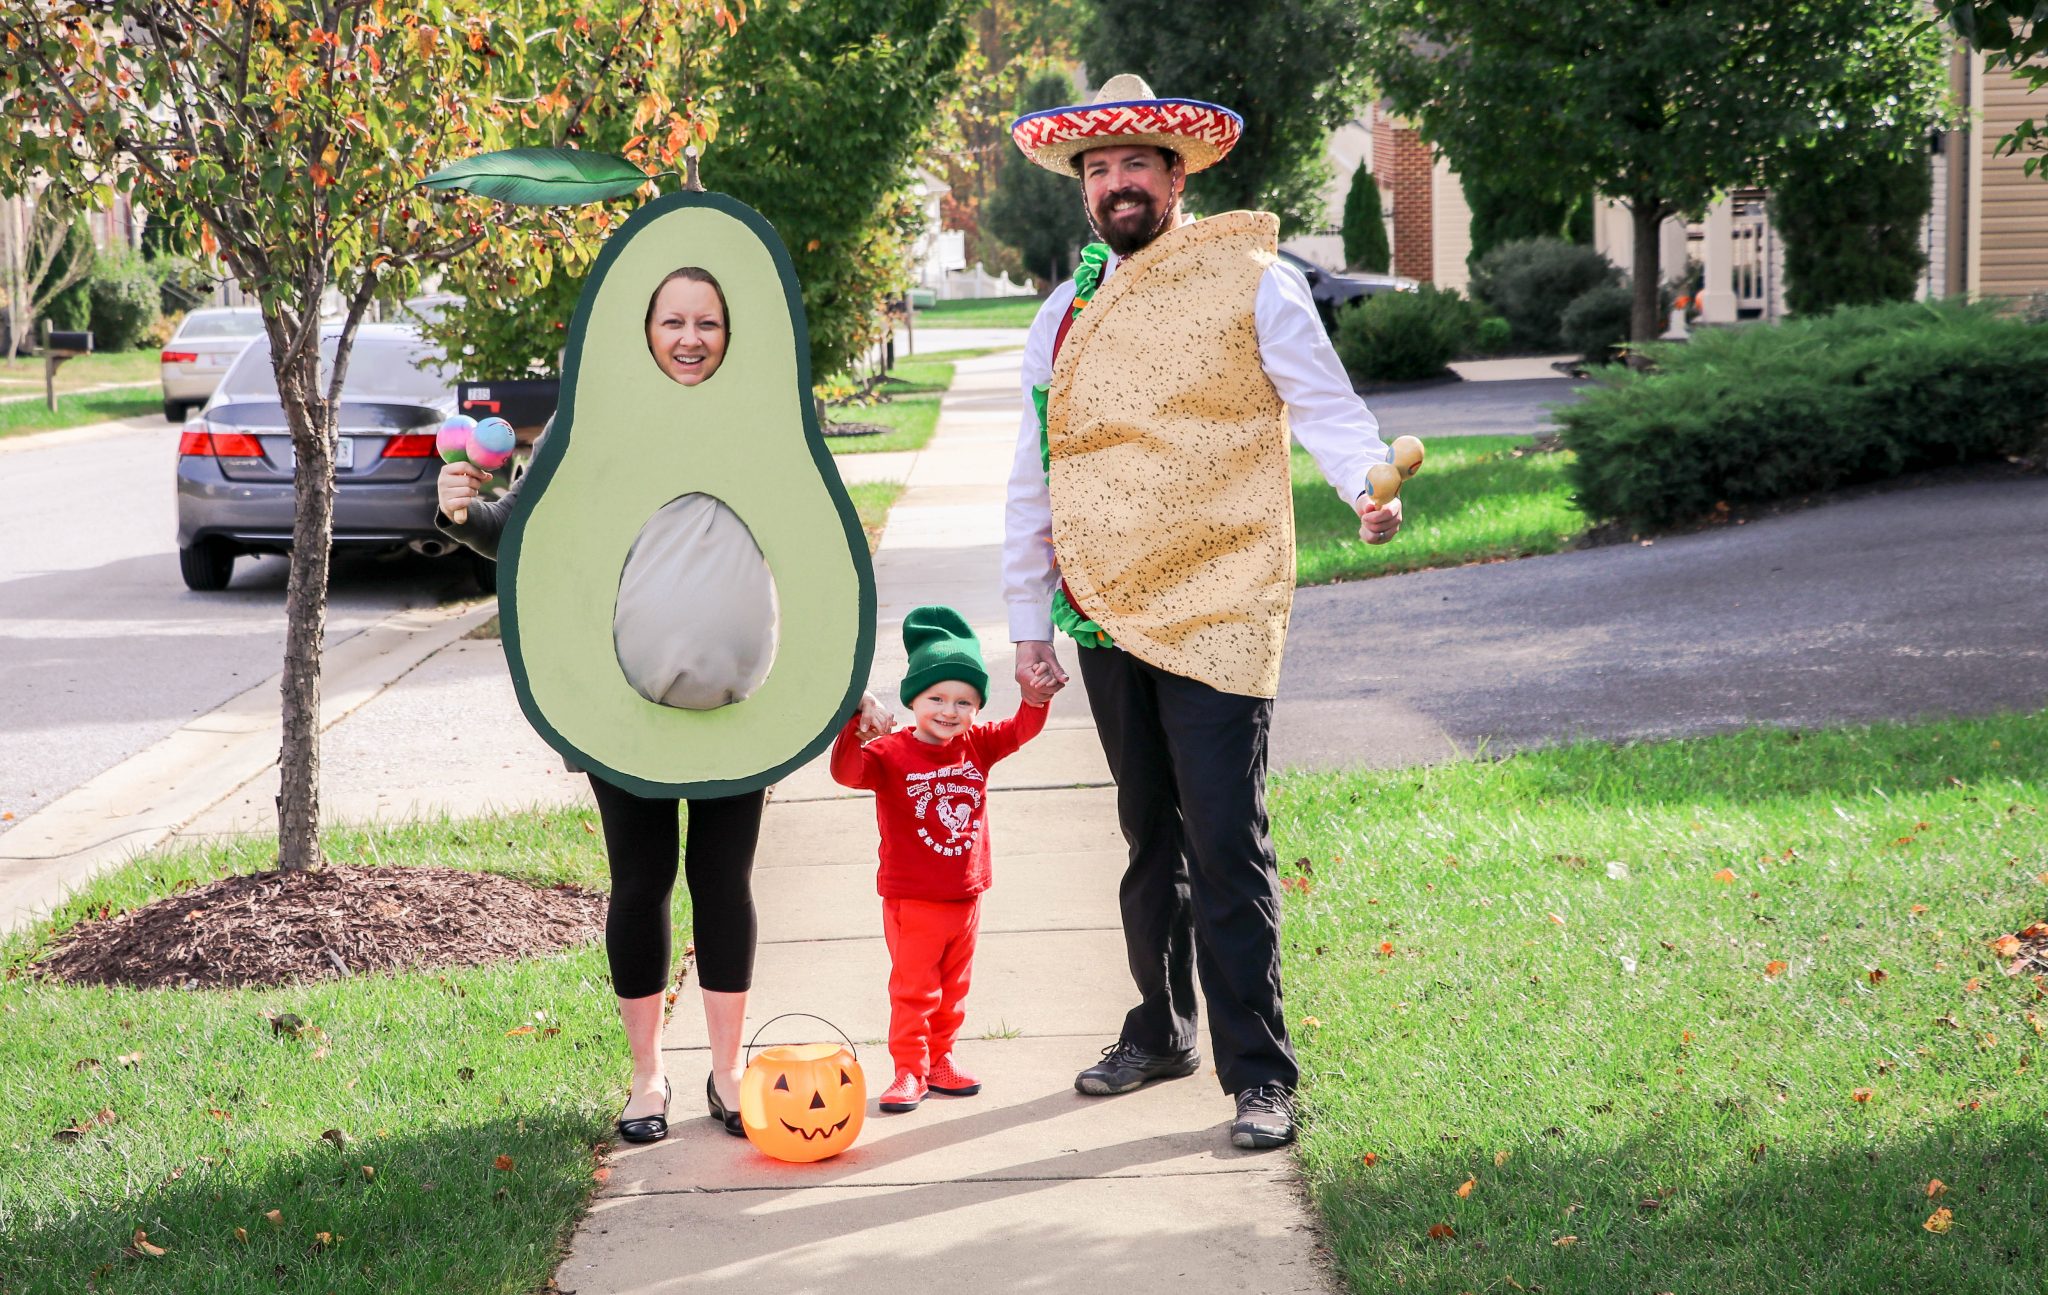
(941, 647)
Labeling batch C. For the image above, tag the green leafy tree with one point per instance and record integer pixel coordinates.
(830, 102)
(1290, 68)
(1510, 211)
(1661, 106)
(2012, 34)
(45, 250)
(1033, 210)
(289, 137)
(1365, 228)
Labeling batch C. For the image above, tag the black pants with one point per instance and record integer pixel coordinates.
(1201, 893)
(640, 838)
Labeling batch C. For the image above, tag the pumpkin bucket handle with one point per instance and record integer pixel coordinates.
(807, 1016)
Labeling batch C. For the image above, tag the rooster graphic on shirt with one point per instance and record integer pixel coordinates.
(947, 806)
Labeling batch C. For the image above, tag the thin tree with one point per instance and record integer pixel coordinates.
(43, 251)
(290, 137)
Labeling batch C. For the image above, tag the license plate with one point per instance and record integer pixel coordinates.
(344, 455)
(215, 361)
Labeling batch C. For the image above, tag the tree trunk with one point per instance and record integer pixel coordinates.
(312, 422)
(1645, 271)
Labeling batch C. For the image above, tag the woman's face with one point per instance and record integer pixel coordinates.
(687, 333)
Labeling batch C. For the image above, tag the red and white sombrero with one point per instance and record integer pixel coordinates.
(1125, 111)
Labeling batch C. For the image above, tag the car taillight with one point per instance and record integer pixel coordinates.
(225, 445)
(413, 445)
(179, 357)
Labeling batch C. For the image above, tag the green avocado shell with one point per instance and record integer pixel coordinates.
(626, 440)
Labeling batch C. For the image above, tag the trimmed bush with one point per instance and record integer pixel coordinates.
(124, 302)
(1597, 323)
(1403, 336)
(1530, 283)
(1756, 414)
(1851, 228)
(1492, 335)
(1365, 232)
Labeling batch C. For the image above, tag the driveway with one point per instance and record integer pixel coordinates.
(1916, 603)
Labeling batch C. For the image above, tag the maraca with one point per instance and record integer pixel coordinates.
(489, 445)
(1384, 479)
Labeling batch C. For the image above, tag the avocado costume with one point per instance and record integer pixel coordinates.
(691, 609)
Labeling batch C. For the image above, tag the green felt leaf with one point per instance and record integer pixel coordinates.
(541, 177)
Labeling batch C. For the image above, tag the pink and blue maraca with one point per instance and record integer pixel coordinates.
(489, 445)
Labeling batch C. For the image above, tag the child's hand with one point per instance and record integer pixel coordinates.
(875, 718)
(1046, 679)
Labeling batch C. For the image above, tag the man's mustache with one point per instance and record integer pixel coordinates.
(1109, 200)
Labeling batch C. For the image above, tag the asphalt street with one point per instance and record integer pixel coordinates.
(102, 648)
(1916, 602)
(1515, 408)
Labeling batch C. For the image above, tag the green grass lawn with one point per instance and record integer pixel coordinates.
(872, 500)
(1475, 500)
(909, 408)
(1688, 1016)
(203, 1119)
(25, 374)
(996, 312)
(18, 417)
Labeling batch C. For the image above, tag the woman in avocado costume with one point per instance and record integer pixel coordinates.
(643, 618)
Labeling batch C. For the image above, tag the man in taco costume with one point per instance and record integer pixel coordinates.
(1150, 519)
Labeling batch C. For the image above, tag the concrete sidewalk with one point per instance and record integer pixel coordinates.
(1028, 1186)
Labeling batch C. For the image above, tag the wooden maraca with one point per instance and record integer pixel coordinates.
(1385, 479)
(489, 445)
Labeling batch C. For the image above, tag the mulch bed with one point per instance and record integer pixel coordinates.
(273, 928)
(833, 431)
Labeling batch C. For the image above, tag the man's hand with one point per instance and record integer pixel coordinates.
(1038, 671)
(1377, 525)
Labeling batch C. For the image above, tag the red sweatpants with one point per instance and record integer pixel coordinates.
(931, 956)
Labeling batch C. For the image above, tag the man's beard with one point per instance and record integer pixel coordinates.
(1124, 239)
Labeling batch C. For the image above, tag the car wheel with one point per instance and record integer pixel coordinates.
(174, 410)
(207, 566)
(484, 569)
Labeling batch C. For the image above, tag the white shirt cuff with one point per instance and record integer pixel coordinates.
(1030, 622)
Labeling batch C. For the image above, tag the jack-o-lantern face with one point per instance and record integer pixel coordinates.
(803, 1103)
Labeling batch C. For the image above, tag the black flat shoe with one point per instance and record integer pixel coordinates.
(649, 1128)
(730, 1119)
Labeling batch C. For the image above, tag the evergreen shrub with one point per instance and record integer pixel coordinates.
(1596, 324)
(1531, 281)
(124, 301)
(1755, 414)
(1403, 336)
(1365, 229)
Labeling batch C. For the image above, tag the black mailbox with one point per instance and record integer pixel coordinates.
(65, 345)
(526, 403)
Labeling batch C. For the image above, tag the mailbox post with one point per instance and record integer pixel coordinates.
(58, 347)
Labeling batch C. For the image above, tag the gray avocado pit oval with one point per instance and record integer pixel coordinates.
(696, 620)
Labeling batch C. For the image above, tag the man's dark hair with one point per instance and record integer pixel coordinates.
(1166, 155)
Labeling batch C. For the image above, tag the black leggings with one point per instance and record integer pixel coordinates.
(718, 866)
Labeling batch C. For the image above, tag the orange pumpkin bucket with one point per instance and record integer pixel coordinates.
(805, 1101)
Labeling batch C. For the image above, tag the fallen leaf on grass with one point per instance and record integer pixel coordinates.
(219, 1114)
(518, 1030)
(1972, 985)
(1500, 1158)
(141, 1246)
(1940, 1221)
(1726, 876)
(84, 1064)
(1369, 1159)
(1386, 949)
(1935, 1187)
(274, 1218)
(336, 1136)
(1565, 1240)
(1442, 1232)
(369, 1173)
(1859, 1095)
(1917, 909)
(322, 1240)
(2006, 946)
(1555, 918)
(1774, 969)
(465, 1074)
(603, 1174)
(1876, 975)
(1465, 1188)
(503, 1164)
(129, 1059)
(242, 1235)
(1310, 1022)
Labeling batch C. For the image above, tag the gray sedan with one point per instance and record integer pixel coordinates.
(235, 459)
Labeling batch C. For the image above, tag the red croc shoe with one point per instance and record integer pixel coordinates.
(950, 1079)
(904, 1094)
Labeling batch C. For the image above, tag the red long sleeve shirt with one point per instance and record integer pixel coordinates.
(931, 802)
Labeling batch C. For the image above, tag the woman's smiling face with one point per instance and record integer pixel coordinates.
(687, 332)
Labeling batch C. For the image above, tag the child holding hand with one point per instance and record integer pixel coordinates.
(931, 804)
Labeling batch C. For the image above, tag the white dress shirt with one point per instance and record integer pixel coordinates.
(1325, 415)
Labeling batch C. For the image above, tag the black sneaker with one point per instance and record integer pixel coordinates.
(1265, 1118)
(1125, 1066)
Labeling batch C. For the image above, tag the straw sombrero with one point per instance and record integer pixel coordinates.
(1126, 112)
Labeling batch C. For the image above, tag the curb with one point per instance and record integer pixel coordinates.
(82, 434)
(141, 802)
